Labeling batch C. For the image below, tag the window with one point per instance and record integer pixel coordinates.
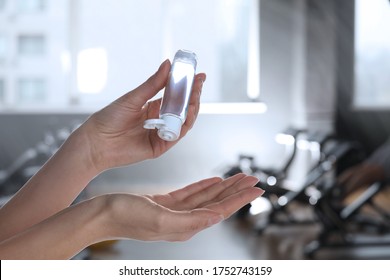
(372, 54)
(31, 90)
(89, 52)
(224, 41)
(31, 5)
(2, 5)
(31, 45)
(3, 47)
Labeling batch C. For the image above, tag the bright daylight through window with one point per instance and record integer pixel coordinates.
(372, 54)
(84, 54)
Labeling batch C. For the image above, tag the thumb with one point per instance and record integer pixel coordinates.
(139, 96)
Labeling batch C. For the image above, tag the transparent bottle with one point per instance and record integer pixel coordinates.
(176, 98)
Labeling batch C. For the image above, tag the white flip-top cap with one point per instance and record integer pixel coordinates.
(168, 126)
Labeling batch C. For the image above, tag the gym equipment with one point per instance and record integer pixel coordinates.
(271, 179)
(349, 227)
(309, 191)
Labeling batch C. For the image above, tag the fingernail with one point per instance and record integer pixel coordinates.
(216, 219)
(262, 191)
(255, 180)
(202, 78)
(164, 63)
(250, 181)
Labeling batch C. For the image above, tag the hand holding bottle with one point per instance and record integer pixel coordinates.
(116, 135)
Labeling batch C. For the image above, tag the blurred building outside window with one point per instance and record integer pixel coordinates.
(31, 45)
(3, 48)
(2, 4)
(31, 5)
(86, 53)
(32, 90)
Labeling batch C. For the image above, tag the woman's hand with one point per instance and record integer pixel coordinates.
(115, 134)
(176, 216)
(179, 215)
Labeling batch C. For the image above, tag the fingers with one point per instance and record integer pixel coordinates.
(234, 202)
(194, 188)
(231, 195)
(182, 225)
(218, 191)
(194, 105)
(196, 92)
(205, 192)
(245, 182)
(139, 96)
(176, 200)
(212, 194)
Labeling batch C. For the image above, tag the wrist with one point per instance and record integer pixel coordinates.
(95, 146)
(127, 216)
(100, 223)
(81, 142)
(106, 218)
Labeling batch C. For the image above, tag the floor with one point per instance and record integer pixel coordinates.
(236, 239)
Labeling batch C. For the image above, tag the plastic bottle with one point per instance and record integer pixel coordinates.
(175, 101)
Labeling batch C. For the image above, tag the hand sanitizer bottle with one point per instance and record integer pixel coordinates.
(175, 101)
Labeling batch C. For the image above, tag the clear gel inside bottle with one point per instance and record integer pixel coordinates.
(176, 98)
